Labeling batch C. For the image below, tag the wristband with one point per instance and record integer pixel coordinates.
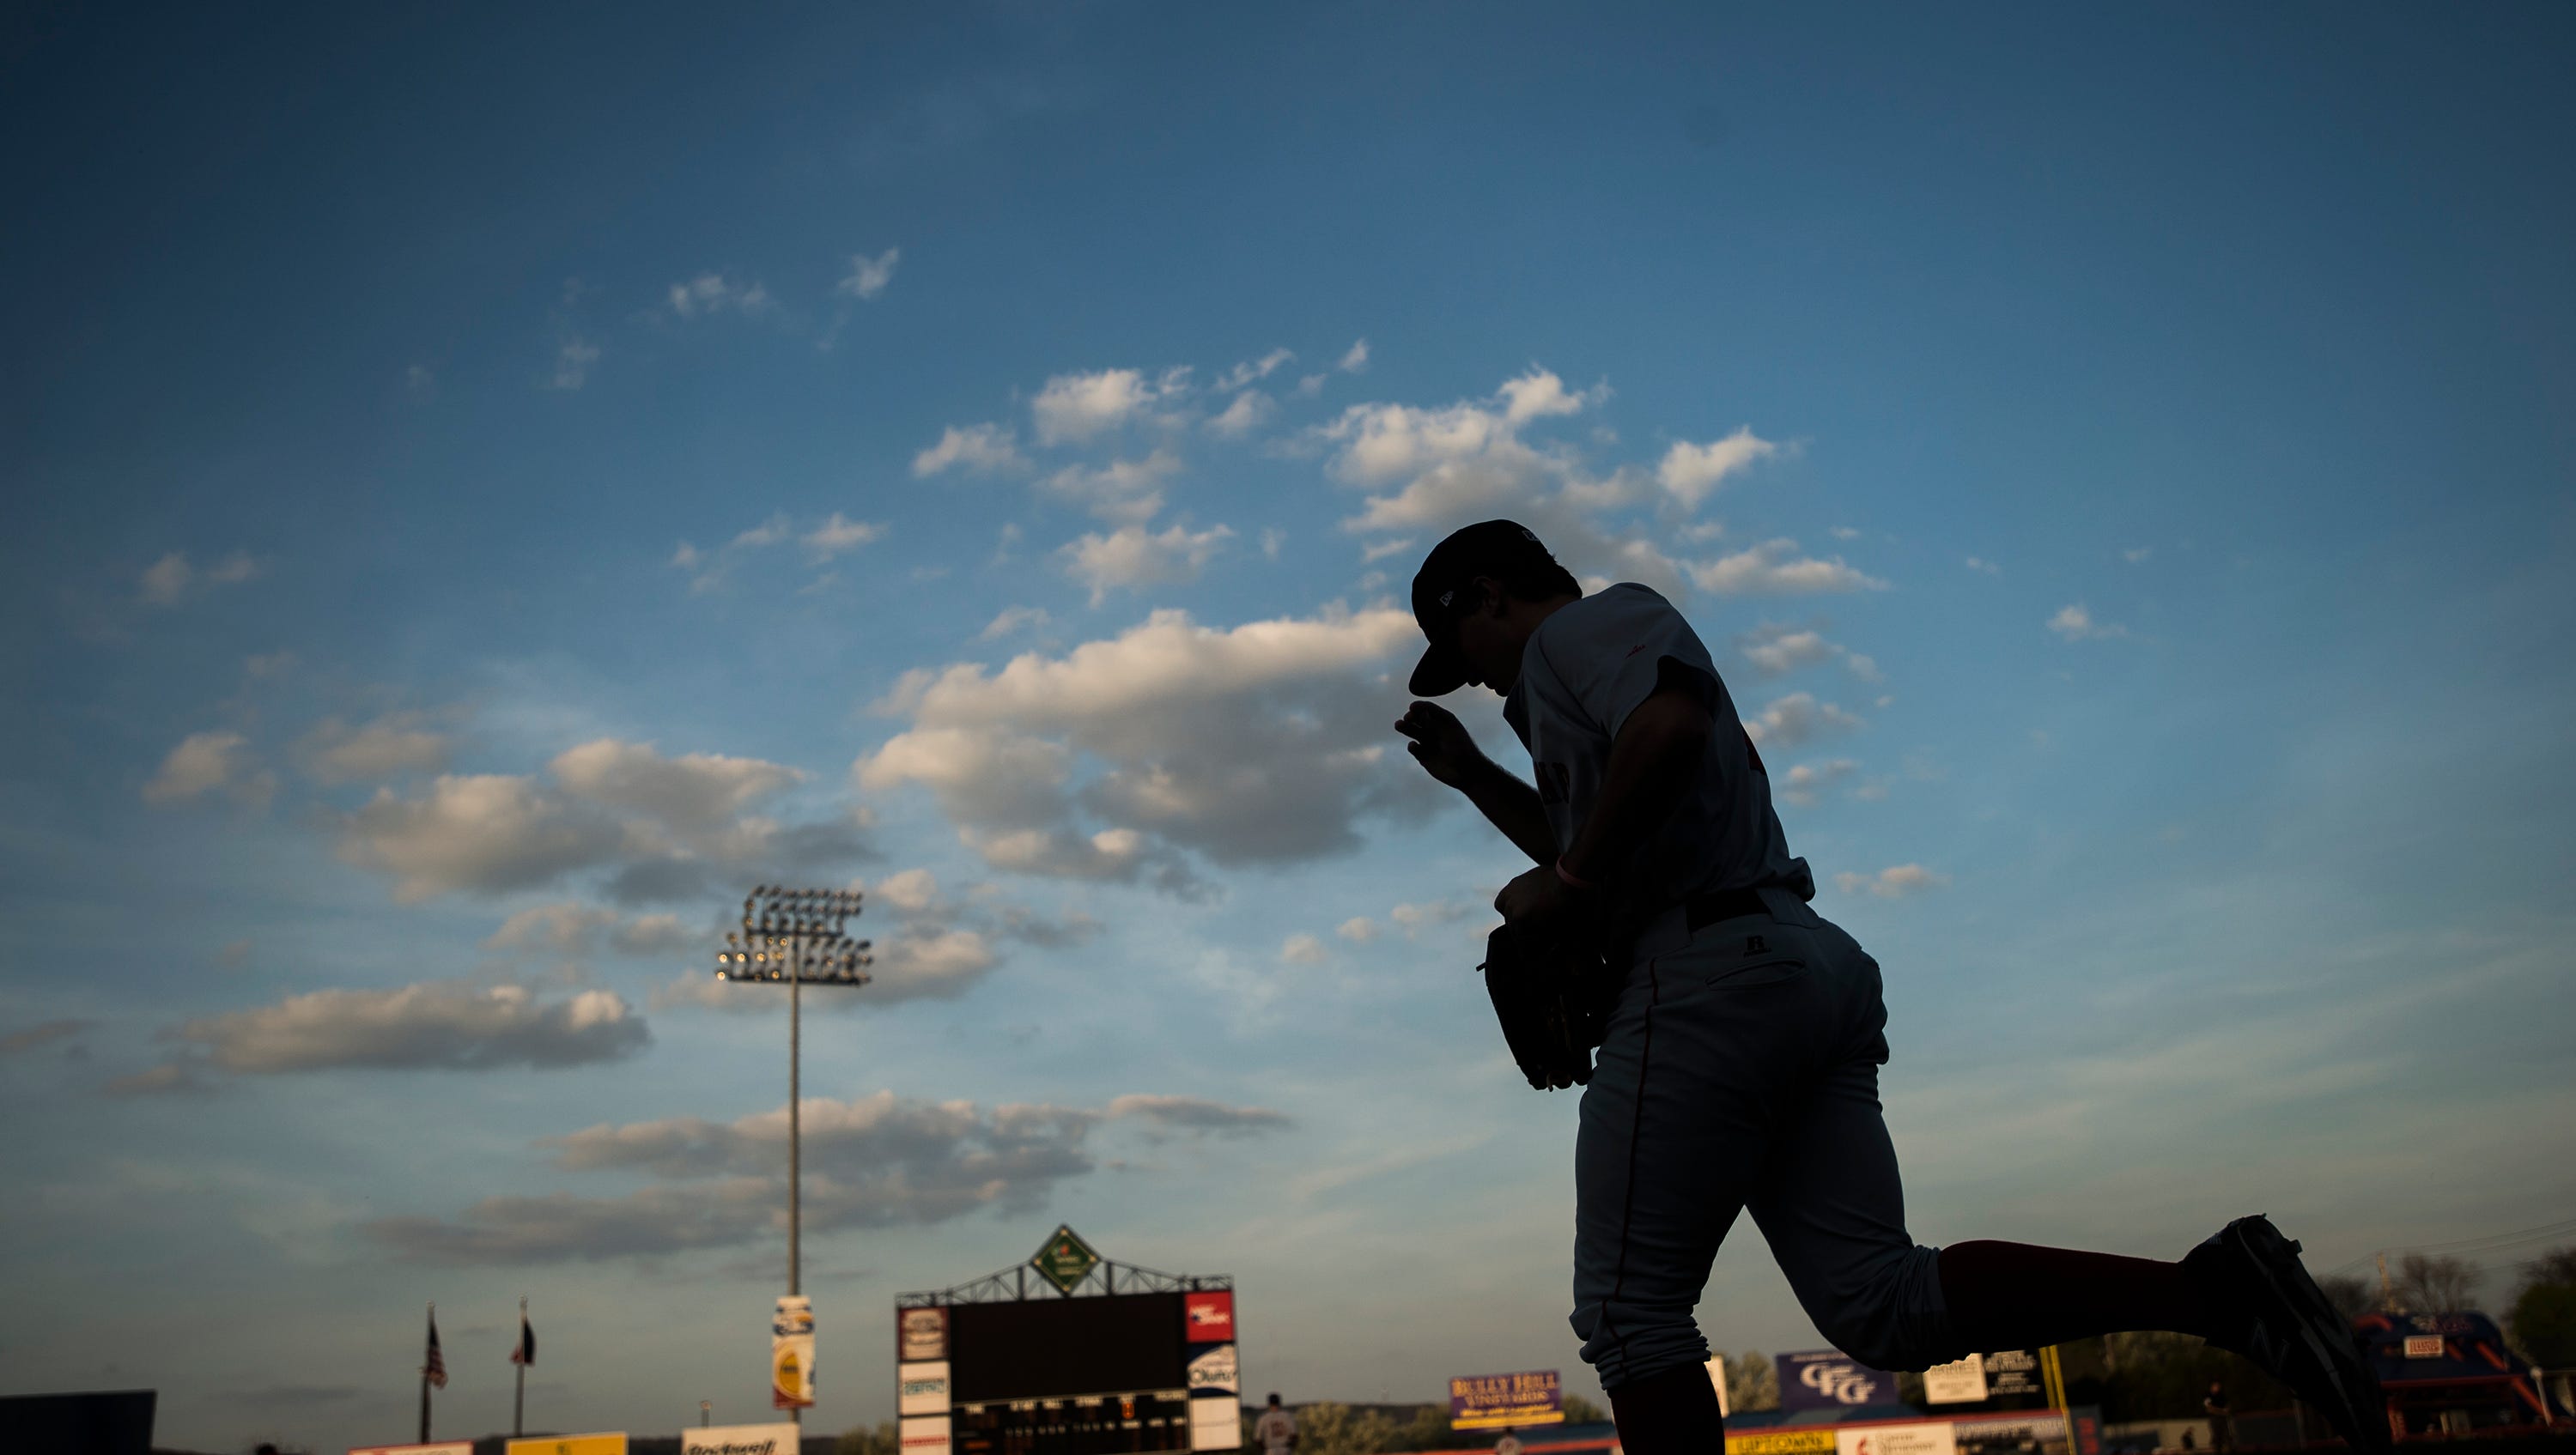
(1567, 876)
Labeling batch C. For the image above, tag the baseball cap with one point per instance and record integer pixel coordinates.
(1487, 548)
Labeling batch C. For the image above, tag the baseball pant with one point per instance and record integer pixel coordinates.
(1740, 1070)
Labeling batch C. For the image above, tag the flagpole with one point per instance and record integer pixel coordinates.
(424, 1375)
(519, 1401)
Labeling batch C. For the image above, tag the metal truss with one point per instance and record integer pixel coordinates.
(1016, 1284)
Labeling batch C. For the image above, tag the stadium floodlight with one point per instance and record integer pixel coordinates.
(795, 935)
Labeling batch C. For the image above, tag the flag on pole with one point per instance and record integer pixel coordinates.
(525, 1351)
(435, 1371)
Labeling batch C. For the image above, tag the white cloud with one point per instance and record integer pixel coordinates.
(1383, 549)
(571, 928)
(1774, 569)
(2136, 554)
(1843, 533)
(1415, 918)
(1125, 491)
(875, 1161)
(488, 832)
(1793, 719)
(1310, 386)
(1252, 371)
(1539, 394)
(394, 744)
(1261, 742)
(696, 796)
(1359, 929)
(1272, 538)
(1131, 558)
(712, 293)
(436, 1025)
(981, 448)
(1894, 882)
(1689, 472)
(2075, 623)
(42, 1034)
(1012, 619)
(572, 364)
(206, 763)
(1304, 950)
(1250, 410)
(172, 579)
(1196, 1113)
(869, 276)
(1077, 407)
(1808, 781)
(1980, 564)
(1355, 359)
(1776, 650)
(839, 534)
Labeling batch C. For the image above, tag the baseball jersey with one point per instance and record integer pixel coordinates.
(1275, 1429)
(1589, 665)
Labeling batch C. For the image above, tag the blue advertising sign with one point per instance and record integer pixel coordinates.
(1825, 1379)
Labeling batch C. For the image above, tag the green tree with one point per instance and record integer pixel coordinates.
(1581, 1411)
(1752, 1381)
(2432, 1284)
(2543, 1321)
(1336, 1429)
(860, 1440)
(2352, 1297)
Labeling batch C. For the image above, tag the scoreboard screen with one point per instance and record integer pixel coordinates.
(1084, 1375)
(1050, 1348)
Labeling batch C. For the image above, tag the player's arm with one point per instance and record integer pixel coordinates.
(1445, 749)
(1652, 764)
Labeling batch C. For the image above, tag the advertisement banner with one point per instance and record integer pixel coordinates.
(791, 1354)
(1824, 1379)
(739, 1440)
(614, 1444)
(1216, 1422)
(920, 1334)
(1210, 1317)
(921, 1389)
(1926, 1439)
(437, 1447)
(1961, 1383)
(2014, 1374)
(923, 1434)
(1216, 1370)
(1502, 1401)
(1811, 1441)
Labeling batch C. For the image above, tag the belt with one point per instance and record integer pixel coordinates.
(1718, 904)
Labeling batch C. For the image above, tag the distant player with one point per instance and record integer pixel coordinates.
(1739, 1065)
(1276, 1429)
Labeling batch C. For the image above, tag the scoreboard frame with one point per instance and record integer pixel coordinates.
(1125, 1358)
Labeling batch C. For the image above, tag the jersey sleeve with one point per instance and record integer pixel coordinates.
(1631, 645)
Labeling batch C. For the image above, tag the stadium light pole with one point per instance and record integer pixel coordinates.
(795, 935)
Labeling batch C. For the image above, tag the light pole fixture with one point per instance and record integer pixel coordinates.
(795, 936)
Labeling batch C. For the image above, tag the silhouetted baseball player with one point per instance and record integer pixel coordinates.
(1739, 1065)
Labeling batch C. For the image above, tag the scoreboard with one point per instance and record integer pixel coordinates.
(1070, 1376)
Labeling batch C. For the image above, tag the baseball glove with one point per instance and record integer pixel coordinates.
(1549, 987)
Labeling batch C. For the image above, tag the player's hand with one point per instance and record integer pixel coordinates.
(1441, 743)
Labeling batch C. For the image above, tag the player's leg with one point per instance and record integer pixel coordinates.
(1832, 1205)
(1678, 1118)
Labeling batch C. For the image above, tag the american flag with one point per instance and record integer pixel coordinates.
(435, 1371)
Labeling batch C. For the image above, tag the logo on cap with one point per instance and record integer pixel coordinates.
(1445, 595)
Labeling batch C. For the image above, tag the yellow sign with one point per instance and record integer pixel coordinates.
(569, 1445)
(1780, 1442)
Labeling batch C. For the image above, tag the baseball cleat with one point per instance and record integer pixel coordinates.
(2285, 1324)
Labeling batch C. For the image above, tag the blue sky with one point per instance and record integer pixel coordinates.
(487, 490)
